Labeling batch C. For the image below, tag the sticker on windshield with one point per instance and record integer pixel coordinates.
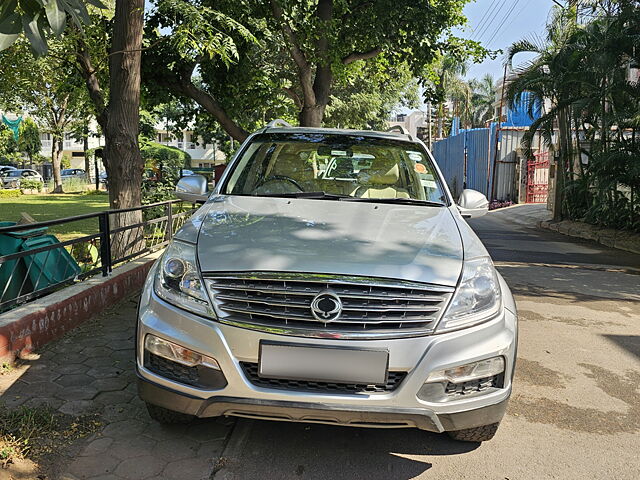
(420, 168)
(415, 156)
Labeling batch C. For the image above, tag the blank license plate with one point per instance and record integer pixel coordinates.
(322, 364)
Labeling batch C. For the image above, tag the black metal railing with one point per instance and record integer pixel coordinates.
(34, 263)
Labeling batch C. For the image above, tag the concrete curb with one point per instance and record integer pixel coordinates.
(36, 323)
(627, 241)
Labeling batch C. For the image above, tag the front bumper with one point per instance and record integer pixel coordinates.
(347, 415)
(417, 356)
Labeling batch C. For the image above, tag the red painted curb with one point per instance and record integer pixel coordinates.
(52, 321)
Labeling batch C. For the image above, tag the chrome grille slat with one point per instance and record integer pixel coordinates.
(343, 318)
(346, 307)
(282, 303)
(312, 293)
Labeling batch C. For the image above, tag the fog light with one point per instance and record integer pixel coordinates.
(176, 353)
(470, 371)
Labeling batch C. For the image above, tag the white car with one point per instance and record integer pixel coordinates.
(347, 292)
(12, 178)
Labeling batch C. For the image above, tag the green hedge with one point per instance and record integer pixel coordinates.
(155, 154)
(10, 193)
(30, 184)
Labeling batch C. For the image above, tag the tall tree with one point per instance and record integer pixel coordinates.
(29, 140)
(304, 48)
(582, 69)
(47, 87)
(118, 111)
(483, 98)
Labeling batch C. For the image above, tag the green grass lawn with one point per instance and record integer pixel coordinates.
(51, 207)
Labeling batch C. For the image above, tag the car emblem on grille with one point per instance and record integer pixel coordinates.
(326, 306)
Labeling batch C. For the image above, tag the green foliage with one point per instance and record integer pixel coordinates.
(39, 159)
(147, 130)
(74, 185)
(65, 162)
(10, 193)
(296, 57)
(171, 159)
(31, 184)
(582, 67)
(8, 146)
(366, 98)
(36, 19)
(29, 138)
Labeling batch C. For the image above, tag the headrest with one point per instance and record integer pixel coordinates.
(292, 165)
(380, 174)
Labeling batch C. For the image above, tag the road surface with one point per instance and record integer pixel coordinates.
(575, 409)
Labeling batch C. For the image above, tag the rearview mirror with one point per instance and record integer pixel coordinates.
(472, 204)
(192, 188)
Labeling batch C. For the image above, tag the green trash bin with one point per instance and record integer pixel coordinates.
(32, 272)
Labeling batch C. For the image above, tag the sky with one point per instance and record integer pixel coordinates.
(499, 23)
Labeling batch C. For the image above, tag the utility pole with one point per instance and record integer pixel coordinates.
(429, 122)
(495, 153)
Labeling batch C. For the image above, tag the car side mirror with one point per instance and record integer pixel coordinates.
(192, 189)
(472, 204)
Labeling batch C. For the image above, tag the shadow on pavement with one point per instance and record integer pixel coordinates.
(332, 452)
(630, 343)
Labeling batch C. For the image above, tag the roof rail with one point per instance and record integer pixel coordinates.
(278, 122)
(399, 129)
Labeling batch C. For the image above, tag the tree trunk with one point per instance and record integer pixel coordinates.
(87, 160)
(121, 154)
(560, 174)
(56, 160)
(311, 116)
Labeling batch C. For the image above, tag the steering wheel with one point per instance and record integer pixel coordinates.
(282, 178)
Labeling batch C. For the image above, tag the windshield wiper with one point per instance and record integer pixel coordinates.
(311, 195)
(401, 201)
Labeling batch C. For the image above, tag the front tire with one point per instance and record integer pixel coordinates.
(476, 434)
(168, 417)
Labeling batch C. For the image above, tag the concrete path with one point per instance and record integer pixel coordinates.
(575, 409)
(91, 371)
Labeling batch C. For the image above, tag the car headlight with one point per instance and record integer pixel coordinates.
(477, 298)
(178, 281)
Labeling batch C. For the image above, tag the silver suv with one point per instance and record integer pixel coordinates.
(329, 278)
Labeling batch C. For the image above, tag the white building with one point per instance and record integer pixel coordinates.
(202, 155)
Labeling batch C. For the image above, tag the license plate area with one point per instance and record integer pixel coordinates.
(323, 364)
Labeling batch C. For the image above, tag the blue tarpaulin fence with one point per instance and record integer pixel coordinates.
(477, 146)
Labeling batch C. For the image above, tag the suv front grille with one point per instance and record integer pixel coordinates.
(281, 303)
(251, 372)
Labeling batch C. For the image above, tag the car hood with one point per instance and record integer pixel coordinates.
(415, 243)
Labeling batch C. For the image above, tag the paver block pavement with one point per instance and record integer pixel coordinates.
(91, 370)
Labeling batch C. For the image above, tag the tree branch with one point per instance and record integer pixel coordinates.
(304, 68)
(355, 56)
(93, 84)
(182, 85)
(291, 93)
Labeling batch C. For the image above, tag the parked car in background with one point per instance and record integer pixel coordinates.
(6, 168)
(69, 173)
(12, 178)
(330, 277)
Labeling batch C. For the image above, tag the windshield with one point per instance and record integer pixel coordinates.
(67, 172)
(13, 173)
(349, 166)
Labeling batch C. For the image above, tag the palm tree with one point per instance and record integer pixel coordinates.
(482, 100)
(581, 68)
(451, 86)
